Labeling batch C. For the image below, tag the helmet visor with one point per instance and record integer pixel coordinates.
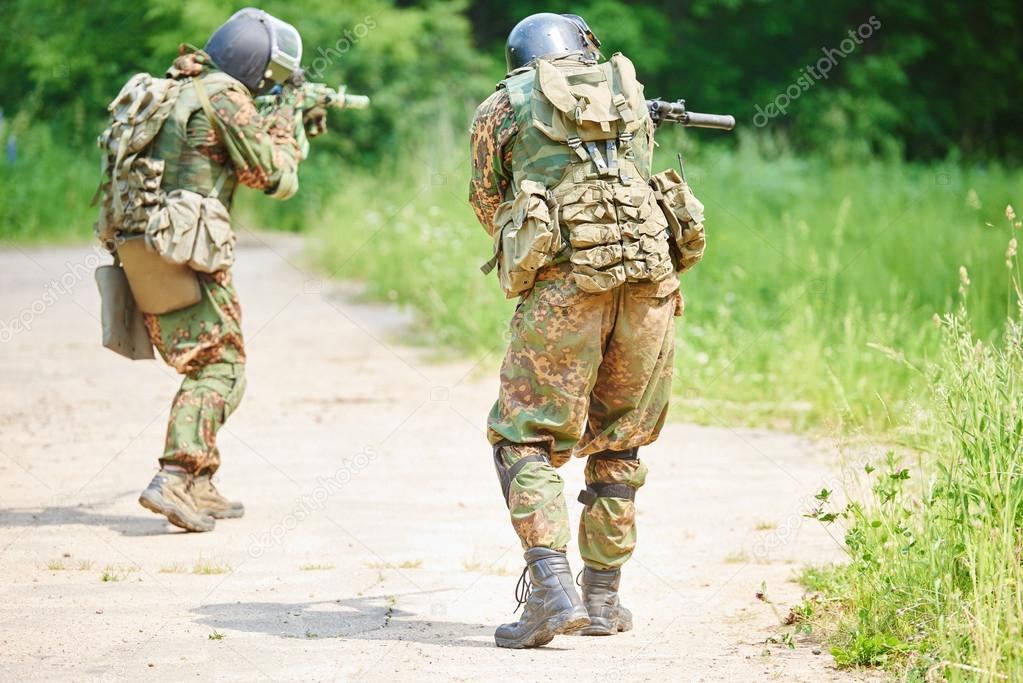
(285, 43)
(285, 49)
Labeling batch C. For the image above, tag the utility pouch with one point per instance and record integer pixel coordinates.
(158, 285)
(124, 330)
(193, 230)
(685, 217)
(527, 239)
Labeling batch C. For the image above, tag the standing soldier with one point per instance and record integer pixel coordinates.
(205, 136)
(592, 246)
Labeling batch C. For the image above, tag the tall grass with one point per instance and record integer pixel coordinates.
(811, 271)
(47, 188)
(934, 585)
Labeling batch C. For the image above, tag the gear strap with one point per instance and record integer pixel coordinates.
(591, 493)
(207, 107)
(629, 454)
(507, 474)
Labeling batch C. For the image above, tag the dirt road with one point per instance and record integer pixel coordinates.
(376, 545)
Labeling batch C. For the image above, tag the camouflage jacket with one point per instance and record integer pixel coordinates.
(493, 130)
(260, 149)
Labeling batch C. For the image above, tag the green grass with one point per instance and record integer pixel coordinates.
(934, 583)
(812, 272)
(47, 190)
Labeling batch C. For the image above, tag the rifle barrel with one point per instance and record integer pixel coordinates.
(718, 121)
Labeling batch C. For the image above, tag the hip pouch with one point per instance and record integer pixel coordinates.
(157, 285)
(685, 217)
(527, 238)
(124, 330)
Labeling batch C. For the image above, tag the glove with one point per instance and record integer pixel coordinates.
(314, 120)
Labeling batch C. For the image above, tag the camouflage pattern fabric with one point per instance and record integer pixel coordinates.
(536, 501)
(492, 130)
(260, 148)
(607, 529)
(204, 343)
(584, 373)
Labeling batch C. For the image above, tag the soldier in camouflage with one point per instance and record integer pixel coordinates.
(561, 162)
(260, 149)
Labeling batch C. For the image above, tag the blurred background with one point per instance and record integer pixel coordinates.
(876, 150)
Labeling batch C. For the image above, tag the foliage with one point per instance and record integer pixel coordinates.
(806, 268)
(934, 77)
(935, 579)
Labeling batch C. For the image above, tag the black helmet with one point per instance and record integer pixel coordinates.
(256, 48)
(544, 34)
(585, 28)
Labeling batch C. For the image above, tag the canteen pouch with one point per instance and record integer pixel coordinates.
(685, 217)
(124, 329)
(528, 237)
(158, 285)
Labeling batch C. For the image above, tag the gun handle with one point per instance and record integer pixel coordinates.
(718, 121)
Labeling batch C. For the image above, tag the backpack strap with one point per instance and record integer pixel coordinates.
(207, 107)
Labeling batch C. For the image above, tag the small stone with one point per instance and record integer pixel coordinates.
(816, 650)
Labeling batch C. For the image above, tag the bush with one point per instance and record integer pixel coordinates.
(935, 579)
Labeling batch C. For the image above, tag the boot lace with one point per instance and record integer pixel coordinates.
(523, 589)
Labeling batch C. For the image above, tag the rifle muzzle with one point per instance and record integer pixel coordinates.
(719, 121)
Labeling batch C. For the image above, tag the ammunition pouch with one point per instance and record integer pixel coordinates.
(684, 213)
(528, 238)
(192, 230)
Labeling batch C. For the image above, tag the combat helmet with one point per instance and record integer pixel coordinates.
(547, 34)
(256, 48)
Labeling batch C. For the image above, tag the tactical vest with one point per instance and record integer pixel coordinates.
(584, 134)
(185, 168)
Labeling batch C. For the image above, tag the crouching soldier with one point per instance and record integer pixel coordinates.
(592, 246)
(176, 149)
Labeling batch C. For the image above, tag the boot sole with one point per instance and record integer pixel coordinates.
(224, 514)
(595, 630)
(558, 625)
(155, 503)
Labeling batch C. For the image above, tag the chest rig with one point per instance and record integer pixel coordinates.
(584, 134)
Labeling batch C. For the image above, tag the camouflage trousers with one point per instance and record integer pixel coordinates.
(584, 374)
(204, 343)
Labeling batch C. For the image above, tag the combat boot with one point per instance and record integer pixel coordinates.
(209, 500)
(600, 595)
(170, 495)
(552, 606)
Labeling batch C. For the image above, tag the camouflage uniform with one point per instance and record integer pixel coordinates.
(204, 342)
(586, 373)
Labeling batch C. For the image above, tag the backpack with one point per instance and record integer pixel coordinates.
(130, 185)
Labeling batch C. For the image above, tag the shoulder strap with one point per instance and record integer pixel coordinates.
(207, 107)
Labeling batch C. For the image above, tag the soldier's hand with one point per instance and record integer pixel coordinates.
(315, 121)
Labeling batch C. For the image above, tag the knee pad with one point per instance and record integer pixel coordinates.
(625, 490)
(506, 473)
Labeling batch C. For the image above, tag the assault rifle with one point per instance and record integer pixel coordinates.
(338, 97)
(676, 112)
(317, 94)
